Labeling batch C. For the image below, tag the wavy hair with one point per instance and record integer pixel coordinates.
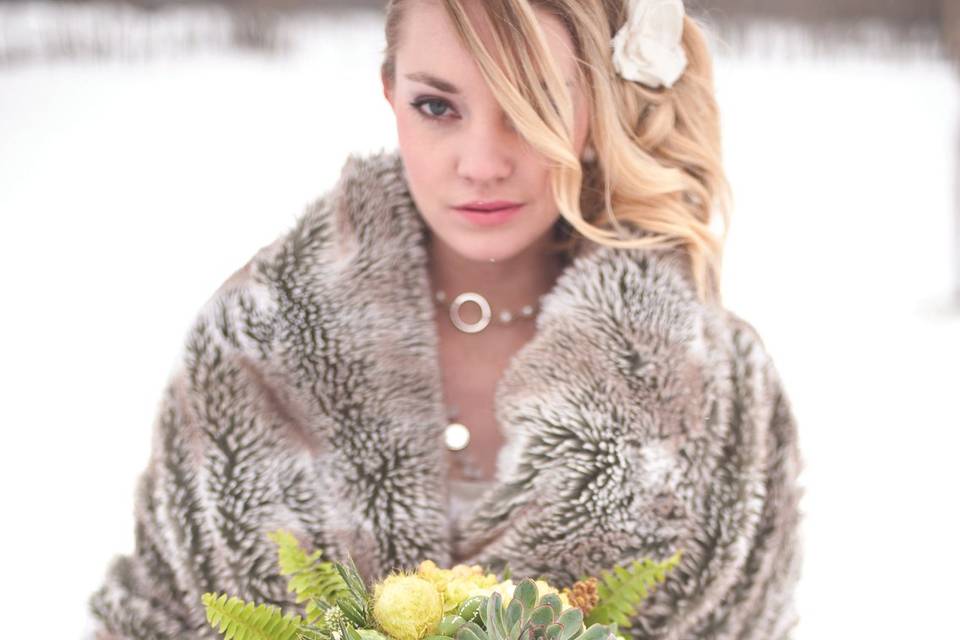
(657, 180)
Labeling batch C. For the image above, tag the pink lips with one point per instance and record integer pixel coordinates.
(489, 212)
(488, 205)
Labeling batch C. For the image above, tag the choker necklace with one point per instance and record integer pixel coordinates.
(504, 317)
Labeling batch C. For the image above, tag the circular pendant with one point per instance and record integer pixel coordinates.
(456, 436)
(466, 327)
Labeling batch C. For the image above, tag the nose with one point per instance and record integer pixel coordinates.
(488, 152)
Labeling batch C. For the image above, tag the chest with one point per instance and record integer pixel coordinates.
(471, 367)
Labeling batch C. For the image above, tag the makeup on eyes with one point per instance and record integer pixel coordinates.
(420, 101)
(443, 86)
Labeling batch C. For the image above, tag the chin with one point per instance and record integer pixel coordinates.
(480, 244)
(482, 250)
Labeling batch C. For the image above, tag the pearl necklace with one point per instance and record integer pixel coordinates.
(505, 316)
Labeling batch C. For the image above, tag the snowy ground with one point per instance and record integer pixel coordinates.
(130, 189)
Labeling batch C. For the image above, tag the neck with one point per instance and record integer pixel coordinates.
(507, 284)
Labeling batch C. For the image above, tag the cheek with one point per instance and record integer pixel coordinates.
(537, 185)
(406, 131)
(421, 158)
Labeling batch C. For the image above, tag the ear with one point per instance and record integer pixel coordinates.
(387, 89)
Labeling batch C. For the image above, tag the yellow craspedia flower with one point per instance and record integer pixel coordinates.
(407, 606)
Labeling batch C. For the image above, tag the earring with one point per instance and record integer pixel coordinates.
(589, 154)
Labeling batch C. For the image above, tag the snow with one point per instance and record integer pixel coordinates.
(131, 188)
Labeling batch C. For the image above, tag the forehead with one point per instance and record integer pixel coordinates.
(428, 39)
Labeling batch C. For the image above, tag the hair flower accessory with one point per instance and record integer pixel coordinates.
(648, 49)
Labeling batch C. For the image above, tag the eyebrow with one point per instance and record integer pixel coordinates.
(442, 85)
(433, 81)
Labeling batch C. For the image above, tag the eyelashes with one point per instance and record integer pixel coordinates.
(430, 113)
(444, 108)
(440, 107)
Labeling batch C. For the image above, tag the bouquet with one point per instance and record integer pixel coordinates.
(461, 603)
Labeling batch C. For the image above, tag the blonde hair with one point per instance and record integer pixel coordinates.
(658, 177)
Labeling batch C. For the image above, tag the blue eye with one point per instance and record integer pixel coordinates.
(435, 106)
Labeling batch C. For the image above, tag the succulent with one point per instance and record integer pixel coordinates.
(449, 625)
(526, 617)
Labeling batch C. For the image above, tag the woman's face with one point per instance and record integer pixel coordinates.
(457, 144)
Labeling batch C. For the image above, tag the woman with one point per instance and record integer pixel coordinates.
(502, 345)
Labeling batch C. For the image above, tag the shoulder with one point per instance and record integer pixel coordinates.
(348, 219)
(648, 294)
(633, 316)
(635, 296)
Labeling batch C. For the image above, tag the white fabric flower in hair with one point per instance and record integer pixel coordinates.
(648, 48)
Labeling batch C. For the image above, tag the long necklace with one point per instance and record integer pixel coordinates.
(457, 435)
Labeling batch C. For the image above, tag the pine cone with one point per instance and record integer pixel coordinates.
(583, 595)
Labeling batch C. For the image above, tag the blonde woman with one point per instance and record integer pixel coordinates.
(502, 344)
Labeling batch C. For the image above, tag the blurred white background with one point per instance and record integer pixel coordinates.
(131, 188)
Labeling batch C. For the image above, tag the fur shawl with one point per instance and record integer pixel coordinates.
(638, 421)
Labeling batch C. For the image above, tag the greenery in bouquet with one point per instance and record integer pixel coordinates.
(461, 603)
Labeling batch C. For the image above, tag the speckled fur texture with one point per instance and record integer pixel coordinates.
(638, 421)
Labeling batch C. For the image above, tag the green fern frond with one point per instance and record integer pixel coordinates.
(317, 583)
(621, 590)
(235, 618)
